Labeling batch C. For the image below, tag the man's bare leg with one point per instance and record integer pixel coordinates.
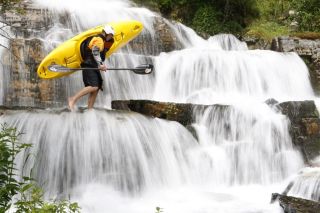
(92, 99)
(72, 100)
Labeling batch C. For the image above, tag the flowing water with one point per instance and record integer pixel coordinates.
(112, 161)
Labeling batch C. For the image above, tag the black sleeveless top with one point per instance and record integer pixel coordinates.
(86, 52)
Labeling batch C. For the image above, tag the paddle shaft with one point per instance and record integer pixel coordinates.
(88, 68)
(142, 69)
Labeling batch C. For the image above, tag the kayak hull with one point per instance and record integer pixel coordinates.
(68, 53)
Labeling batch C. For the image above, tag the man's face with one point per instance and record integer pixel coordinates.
(109, 37)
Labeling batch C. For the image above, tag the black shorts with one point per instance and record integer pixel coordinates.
(92, 77)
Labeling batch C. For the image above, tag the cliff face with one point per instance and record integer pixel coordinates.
(21, 59)
(24, 87)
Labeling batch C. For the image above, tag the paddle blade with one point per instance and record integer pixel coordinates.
(143, 69)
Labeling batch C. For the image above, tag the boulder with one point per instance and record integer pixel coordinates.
(181, 113)
(304, 126)
(295, 204)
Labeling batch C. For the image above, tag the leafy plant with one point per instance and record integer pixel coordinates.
(9, 148)
(32, 201)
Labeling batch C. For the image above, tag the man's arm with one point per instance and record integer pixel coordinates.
(96, 55)
(96, 45)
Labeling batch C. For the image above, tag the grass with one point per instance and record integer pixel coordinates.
(266, 30)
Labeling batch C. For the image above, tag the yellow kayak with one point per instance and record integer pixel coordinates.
(68, 53)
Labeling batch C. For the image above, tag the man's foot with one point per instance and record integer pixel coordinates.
(71, 103)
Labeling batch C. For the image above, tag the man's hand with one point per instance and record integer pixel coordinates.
(102, 67)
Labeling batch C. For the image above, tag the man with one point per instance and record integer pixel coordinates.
(93, 52)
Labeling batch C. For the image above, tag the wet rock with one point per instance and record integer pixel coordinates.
(167, 41)
(296, 110)
(164, 40)
(271, 102)
(30, 22)
(256, 43)
(304, 126)
(181, 113)
(296, 205)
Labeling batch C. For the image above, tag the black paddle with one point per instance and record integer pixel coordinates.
(142, 69)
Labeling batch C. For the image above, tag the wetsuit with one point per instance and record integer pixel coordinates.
(93, 52)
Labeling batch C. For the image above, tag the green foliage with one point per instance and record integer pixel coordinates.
(242, 12)
(9, 148)
(31, 201)
(7, 5)
(274, 10)
(209, 16)
(207, 20)
(265, 18)
(31, 196)
(308, 14)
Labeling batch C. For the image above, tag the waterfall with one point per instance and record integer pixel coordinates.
(116, 162)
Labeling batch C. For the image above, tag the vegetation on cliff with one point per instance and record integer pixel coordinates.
(259, 18)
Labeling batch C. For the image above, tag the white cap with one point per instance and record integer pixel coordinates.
(108, 29)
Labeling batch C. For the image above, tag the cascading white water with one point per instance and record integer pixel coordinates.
(306, 184)
(251, 145)
(117, 162)
(127, 151)
(210, 76)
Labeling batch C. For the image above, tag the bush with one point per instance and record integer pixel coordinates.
(308, 14)
(308, 22)
(207, 20)
(232, 27)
